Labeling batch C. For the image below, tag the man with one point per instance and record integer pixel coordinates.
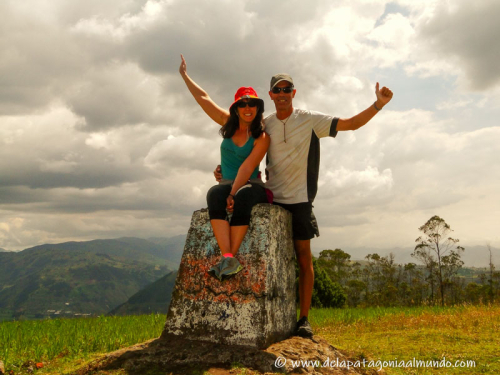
(292, 168)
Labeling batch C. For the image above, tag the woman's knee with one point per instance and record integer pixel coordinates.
(217, 195)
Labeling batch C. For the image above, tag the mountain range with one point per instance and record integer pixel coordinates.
(154, 298)
(82, 278)
(119, 276)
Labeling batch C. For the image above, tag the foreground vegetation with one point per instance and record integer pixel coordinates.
(458, 333)
(26, 343)
(425, 333)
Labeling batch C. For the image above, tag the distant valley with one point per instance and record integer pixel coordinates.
(120, 276)
(83, 278)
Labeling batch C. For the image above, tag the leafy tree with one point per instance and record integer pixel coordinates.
(473, 292)
(384, 276)
(355, 289)
(433, 246)
(414, 278)
(491, 279)
(451, 263)
(336, 263)
(326, 293)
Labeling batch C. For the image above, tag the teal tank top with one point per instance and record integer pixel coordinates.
(233, 156)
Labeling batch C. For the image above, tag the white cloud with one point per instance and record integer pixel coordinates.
(394, 39)
(183, 152)
(124, 25)
(368, 182)
(98, 140)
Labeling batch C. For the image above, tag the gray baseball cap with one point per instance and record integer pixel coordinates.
(277, 78)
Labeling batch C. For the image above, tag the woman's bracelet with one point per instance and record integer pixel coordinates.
(231, 195)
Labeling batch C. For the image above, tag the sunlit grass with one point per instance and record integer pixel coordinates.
(423, 333)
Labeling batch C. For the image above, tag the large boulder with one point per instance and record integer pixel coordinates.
(257, 306)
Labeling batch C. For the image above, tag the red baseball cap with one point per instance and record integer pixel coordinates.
(246, 93)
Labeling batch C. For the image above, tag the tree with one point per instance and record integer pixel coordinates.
(355, 288)
(426, 257)
(434, 245)
(473, 292)
(414, 278)
(451, 263)
(326, 293)
(336, 263)
(490, 281)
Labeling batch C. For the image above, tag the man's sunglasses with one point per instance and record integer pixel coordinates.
(286, 90)
(251, 103)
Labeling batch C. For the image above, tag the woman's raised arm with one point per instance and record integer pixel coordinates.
(215, 112)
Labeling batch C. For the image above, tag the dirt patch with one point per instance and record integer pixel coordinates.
(179, 356)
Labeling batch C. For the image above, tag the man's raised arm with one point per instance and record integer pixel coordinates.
(384, 96)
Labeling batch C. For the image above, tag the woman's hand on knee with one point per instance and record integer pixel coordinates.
(230, 203)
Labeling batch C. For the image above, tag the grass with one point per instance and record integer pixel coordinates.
(25, 343)
(458, 333)
(424, 333)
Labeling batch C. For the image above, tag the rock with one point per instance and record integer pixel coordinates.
(2, 368)
(257, 306)
(181, 356)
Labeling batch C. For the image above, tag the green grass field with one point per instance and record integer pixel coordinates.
(25, 343)
(463, 333)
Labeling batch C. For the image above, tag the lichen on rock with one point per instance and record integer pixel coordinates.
(254, 308)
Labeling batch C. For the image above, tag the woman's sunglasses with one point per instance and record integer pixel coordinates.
(286, 90)
(251, 103)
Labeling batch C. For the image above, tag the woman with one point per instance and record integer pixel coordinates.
(242, 149)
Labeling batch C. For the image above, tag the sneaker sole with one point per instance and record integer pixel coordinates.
(229, 275)
(304, 334)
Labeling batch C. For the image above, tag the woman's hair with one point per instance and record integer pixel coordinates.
(233, 122)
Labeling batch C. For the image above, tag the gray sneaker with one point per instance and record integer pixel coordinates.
(215, 270)
(229, 267)
(303, 328)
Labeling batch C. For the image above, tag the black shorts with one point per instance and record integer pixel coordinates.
(304, 224)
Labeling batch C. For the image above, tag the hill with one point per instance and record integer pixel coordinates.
(162, 253)
(175, 246)
(155, 298)
(80, 278)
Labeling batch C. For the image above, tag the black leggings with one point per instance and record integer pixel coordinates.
(244, 200)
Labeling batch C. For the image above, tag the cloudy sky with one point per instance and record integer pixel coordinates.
(99, 138)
